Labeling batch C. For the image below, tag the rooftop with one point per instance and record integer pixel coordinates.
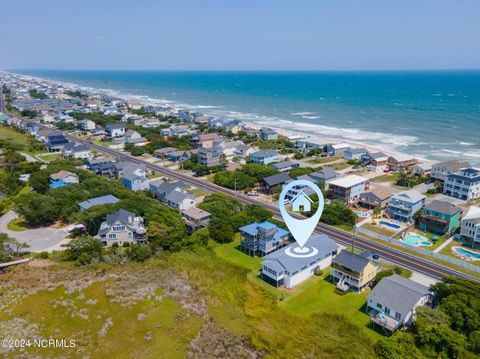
(277, 179)
(282, 261)
(398, 293)
(443, 207)
(108, 199)
(355, 262)
(348, 181)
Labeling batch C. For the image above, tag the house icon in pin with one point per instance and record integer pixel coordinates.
(301, 203)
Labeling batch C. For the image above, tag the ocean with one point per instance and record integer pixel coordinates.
(432, 115)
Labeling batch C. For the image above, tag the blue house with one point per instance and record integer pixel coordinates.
(262, 238)
(95, 163)
(405, 204)
(57, 184)
(265, 157)
(56, 143)
(354, 153)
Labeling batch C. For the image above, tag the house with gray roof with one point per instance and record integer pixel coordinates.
(405, 204)
(77, 151)
(115, 130)
(393, 301)
(122, 227)
(285, 166)
(264, 157)
(354, 272)
(135, 182)
(108, 199)
(121, 168)
(173, 194)
(281, 269)
(270, 183)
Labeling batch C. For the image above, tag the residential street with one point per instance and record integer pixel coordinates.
(39, 240)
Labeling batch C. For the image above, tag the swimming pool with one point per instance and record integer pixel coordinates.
(466, 253)
(416, 240)
(389, 224)
(362, 213)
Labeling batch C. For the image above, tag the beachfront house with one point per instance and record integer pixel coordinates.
(272, 183)
(337, 149)
(440, 217)
(195, 219)
(267, 134)
(348, 188)
(421, 169)
(441, 170)
(97, 201)
(463, 184)
(351, 154)
(121, 227)
(259, 239)
(392, 303)
(401, 163)
(404, 205)
(377, 162)
(354, 272)
(375, 197)
(264, 157)
(282, 270)
(470, 226)
(115, 130)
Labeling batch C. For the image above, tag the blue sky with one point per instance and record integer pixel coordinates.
(240, 35)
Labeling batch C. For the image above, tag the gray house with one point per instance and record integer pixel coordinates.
(393, 301)
(108, 199)
(173, 194)
(121, 227)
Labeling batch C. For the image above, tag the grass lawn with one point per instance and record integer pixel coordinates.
(198, 192)
(339, 166)
(154, 176)
(17, 225)
(49, 156)
(7, 133)
(231, 253)
(318, 295)
(384, 178)
(320, 160)
(378, 229)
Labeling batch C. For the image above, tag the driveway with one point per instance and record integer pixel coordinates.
(39, 240)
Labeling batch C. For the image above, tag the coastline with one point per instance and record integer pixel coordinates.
(305, 130)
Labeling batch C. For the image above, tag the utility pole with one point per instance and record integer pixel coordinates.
(235, 187)
(353, 237)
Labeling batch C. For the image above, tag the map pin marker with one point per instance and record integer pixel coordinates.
(301, 229)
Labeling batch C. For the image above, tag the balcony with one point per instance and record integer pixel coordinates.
(384, 320)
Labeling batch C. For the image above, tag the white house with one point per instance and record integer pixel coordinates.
(470, 227)
(86, 125)
(281, 269)
(441, 170)
(115, 130)
(464, 184)
(393, 302)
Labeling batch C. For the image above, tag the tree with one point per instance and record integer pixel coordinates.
(234, 180)
(258, 171)
(37, 209)
(139, 252)
(300, 171)
(84, 250)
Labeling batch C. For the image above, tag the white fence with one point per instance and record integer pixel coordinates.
(420, 250)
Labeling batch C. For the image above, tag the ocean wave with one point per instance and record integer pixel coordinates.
(466, 143)
(306, 113)
(311, 117)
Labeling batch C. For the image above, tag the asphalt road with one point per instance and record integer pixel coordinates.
(340, 236)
